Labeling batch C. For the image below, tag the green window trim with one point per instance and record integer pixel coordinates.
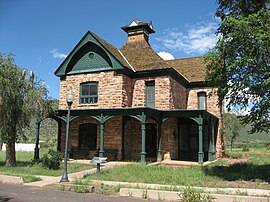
(89, 93)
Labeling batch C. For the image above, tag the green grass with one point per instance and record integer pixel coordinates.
(26, 167)
(253, 174)
(139, 173)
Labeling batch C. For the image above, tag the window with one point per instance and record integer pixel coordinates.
(89, 93)
(150, 94)
(88, 136)
(202, 100)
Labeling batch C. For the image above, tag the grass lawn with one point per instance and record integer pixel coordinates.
(245, 169)
(26, 167)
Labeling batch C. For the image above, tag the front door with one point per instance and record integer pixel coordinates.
(151, 140)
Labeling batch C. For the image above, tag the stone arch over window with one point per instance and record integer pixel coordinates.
(90, 57)
(202, 100)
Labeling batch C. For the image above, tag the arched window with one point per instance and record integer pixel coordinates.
(202, 100)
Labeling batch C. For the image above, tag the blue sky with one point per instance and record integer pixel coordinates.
(42, 32)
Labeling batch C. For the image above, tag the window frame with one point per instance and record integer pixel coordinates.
(150, 103)
(91, 99)
(202, 94)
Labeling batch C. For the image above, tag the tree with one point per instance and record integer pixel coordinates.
(20, 100)
(239, 63)
(231, 127)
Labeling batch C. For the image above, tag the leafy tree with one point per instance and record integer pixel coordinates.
(239, 63)
(20, 100)
(231, 127)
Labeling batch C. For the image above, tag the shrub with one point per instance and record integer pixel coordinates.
(245, 148)
(51, 159)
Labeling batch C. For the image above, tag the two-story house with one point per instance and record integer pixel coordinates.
(130, 104)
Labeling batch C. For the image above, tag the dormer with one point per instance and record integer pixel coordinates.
(138, 30)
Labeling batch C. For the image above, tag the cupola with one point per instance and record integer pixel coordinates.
(138, 30)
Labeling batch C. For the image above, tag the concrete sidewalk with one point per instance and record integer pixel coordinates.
(47, 180)
(154, 191)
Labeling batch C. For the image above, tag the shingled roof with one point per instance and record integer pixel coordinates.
(193, 69)
(142, 57)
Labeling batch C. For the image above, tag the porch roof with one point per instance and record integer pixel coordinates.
(156, 114)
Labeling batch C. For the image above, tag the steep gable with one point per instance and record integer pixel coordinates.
(91, 54)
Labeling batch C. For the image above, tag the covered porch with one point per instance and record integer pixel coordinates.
(140, 134)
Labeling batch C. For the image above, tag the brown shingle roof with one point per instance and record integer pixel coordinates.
(193, 69)
(142, 57)
(112, 50)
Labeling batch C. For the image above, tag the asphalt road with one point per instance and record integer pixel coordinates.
(19, 193)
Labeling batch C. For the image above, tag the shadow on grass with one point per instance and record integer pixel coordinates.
(19, 163)
(241, 171)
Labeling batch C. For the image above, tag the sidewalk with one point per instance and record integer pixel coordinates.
(154, 191)
(46, 180)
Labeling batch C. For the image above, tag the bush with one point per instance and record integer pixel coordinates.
(51, 159)
(245, 148)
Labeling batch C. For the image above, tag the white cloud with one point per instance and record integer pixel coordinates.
(56, 54)
(165, 55)
(196, 39)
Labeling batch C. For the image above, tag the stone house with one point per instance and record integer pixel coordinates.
(130, 104)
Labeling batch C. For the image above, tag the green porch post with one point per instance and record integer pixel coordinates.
(143, 152)
(101, 150)
(159, 154)
(36, 155)
(210, 146)
(200, 153)
(215, 140)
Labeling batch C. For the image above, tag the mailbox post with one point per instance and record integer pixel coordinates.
(98, 161)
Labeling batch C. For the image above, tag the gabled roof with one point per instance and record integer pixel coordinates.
(135, 55)
(193, 69)
(111, 56)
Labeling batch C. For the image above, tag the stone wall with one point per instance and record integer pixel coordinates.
(112, 135)
(169, 137)
(116, 91)
(110, 90)
(212, 107)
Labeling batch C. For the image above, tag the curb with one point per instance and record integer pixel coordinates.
(176, 196)
(10, 179)
(229, 191)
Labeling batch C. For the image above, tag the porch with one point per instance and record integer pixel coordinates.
(142, 134)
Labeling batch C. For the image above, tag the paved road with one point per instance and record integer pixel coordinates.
(19, 193)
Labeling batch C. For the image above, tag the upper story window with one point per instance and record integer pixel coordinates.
(202, 100)
(150, 94)
(89, 93)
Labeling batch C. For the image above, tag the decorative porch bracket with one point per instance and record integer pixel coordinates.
(142, 119)
(199, 121)
(102, 119)
(38, 122)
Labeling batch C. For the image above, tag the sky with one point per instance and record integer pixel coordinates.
(41, 33)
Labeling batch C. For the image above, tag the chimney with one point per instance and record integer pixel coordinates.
(138, 31)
